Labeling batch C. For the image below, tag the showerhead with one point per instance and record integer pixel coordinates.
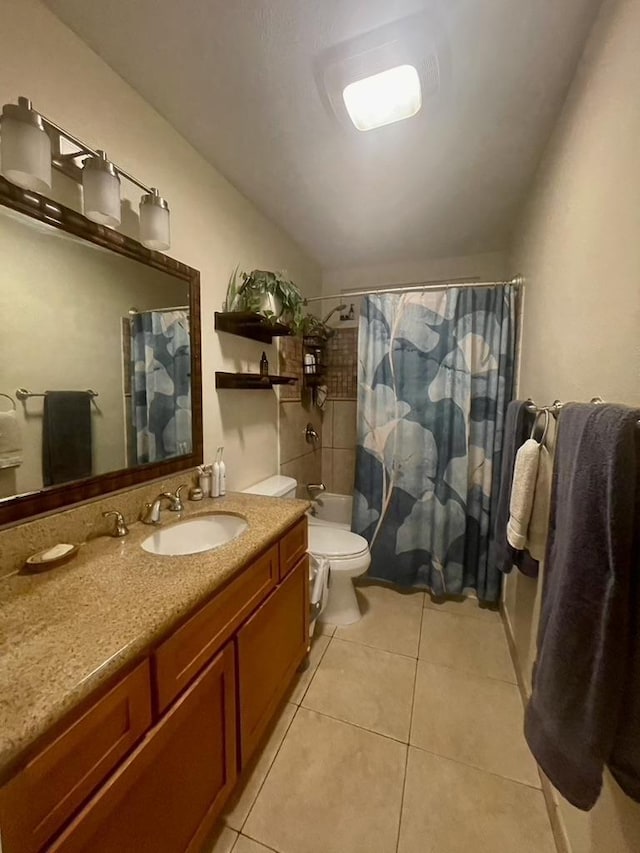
(333, 311)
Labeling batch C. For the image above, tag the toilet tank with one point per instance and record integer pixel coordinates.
(274, 487)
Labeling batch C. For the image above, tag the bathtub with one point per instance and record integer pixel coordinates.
(333, 510)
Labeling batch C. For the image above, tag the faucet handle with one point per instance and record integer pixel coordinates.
(120, 528)
(176, 504)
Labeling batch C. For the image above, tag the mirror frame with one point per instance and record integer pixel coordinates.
(14, 510)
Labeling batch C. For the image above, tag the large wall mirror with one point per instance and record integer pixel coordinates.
(100, 381)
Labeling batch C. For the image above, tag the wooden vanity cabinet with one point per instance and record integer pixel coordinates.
(150, 763)
(168, 793)
(182, 655)
(293, 547)
(271, 645)
(62, 775)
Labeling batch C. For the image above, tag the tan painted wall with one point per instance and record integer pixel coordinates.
(579, 249)
(213, 226)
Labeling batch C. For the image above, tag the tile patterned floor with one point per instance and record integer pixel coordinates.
(403, 736)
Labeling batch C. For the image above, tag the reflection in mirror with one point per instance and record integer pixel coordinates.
(79, 318)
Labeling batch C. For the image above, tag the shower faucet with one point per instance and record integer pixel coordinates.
(310, 434)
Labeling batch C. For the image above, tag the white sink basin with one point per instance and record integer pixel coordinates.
(194, 535)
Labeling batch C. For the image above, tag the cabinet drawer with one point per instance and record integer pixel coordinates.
(293, 547)
(189, 648)
(168, 793)
(36, 802)
(271, 645)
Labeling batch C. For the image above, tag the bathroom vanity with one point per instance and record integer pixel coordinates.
(131, 736)
(134, 686)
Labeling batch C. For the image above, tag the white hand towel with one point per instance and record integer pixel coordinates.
(10, 440)
(525, 473)
(539, 523)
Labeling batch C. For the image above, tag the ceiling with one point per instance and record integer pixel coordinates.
(238, 79)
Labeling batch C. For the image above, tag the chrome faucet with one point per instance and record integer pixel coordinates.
(151, 511)
(316, 487)
(310, 434)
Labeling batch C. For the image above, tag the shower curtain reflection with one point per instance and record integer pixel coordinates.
(161, 384)
(435, 377)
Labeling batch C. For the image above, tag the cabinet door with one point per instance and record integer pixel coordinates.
(167, 795)
(271, 645)
(293, 547)
(188, 649)
(41, 798)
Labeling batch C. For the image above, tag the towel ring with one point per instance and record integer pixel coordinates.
(547, 421)
(10, 399)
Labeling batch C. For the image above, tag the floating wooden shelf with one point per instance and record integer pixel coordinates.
(249, 325)
(251, 380)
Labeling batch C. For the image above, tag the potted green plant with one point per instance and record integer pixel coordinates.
(313, 327)
(267, 293)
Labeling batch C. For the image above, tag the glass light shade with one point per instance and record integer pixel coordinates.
(25, 147)
(384, 98)
(101, 191)
(155, 228)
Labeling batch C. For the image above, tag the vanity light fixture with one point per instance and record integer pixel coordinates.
(30, 143)
(154, 221)
(383, 98)
(101, 190)
(26, 147)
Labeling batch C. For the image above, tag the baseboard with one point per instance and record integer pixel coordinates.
(557, 825)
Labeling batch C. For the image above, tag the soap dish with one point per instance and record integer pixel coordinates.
(57, 555)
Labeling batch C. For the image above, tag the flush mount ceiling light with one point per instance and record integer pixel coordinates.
(30, 143)
(384, 75)
(384, 98)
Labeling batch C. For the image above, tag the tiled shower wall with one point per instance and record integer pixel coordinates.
(298, 459)
(339, 415)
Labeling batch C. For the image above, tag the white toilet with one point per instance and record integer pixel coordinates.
(348, 555)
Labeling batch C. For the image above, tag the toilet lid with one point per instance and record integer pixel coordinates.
(333, 542)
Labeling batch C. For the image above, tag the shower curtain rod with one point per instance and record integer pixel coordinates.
(173, 308)
(444, 284)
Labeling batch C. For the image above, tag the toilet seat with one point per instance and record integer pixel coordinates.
(336, 544)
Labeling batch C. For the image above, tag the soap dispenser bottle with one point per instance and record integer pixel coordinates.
(215, 477)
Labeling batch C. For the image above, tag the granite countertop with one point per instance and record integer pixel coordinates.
(65, 632)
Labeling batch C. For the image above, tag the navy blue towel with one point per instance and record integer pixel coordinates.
(67, 452)
(584, 662)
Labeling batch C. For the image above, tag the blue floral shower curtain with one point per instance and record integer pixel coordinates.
(161, 380)
(435, 376)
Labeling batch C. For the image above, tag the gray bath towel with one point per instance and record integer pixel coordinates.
(517, 428)
(584, 648)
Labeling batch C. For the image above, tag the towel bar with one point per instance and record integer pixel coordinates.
(23, 394)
